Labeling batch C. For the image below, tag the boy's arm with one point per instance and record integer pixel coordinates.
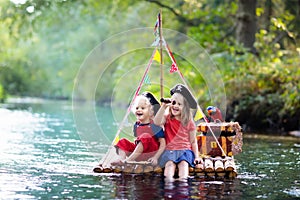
(162, 146)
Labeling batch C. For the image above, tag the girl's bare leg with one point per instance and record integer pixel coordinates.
(169, 170)
(183, 170)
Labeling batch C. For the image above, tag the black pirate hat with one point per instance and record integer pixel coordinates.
(152, 100)
(184, 91)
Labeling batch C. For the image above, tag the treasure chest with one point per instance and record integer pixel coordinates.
(212, 137)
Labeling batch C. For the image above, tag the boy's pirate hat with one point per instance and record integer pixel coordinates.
(152, 100)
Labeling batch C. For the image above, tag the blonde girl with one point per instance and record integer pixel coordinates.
(180, 133)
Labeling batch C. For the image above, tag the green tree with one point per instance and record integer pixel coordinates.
(44, 42)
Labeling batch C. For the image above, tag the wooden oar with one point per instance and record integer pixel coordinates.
(139, 162)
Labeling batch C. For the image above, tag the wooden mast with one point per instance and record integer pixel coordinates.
(161, 55)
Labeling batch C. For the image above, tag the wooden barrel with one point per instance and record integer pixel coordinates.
(158, 170)
(128, 168)
(107, 170)
(219, 165)
(138, 169)
(229, 165)
(118, 169)
(98, 169)
(232, 174)
(148, 169)
(208, 165)
(199, 168)
(221, 174)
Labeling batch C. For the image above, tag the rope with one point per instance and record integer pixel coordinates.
(130, 105)
(138, 90)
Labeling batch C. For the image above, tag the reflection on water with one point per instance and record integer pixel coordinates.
(42, 157)
(154, 187)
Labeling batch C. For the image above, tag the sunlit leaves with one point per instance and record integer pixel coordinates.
(43, 43)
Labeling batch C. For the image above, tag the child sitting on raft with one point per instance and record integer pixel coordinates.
(150, 141)
(180, 133)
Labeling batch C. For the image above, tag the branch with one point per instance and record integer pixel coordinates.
(164, 6)
(181, 18)
(284, 33)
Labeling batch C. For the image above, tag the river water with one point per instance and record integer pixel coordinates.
(42, 156)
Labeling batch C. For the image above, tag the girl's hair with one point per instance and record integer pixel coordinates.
(186, 114)
(142, 98)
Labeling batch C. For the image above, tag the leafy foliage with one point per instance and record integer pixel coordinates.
(44, 42)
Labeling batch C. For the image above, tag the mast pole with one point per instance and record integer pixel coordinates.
(161, 55)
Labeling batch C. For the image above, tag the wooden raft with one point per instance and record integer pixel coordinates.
(216, 164)
(212, 167)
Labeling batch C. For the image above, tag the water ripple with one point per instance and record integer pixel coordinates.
(42, 157)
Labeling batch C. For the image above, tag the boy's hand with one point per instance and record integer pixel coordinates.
(153, 160)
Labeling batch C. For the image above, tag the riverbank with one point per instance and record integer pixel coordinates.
(39, 100)
(263, 136)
